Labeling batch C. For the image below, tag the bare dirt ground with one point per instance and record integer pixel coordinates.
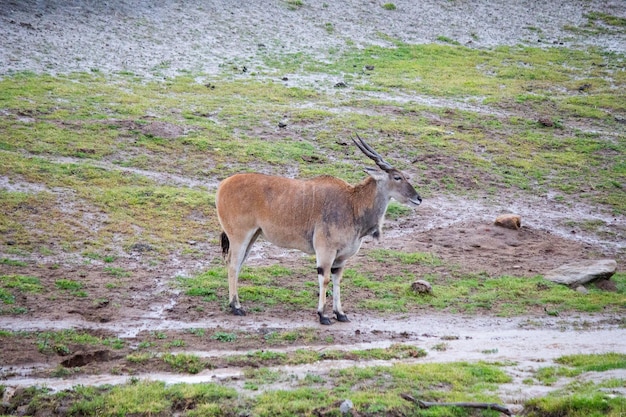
(57, 37)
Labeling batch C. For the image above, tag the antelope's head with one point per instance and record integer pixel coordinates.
(395, 182)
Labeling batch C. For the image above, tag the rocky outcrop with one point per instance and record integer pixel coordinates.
(580, 273)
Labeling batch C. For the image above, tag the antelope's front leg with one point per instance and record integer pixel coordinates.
(323, 276)
(337, 273)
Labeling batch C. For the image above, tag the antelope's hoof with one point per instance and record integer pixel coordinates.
(324, 320)
(342, 317)
(238, 311)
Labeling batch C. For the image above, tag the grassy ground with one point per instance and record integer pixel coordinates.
(373, 391)
(145, 156)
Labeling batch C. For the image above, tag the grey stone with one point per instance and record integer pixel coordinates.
(346, 407)
(582, 289)
(582, 272)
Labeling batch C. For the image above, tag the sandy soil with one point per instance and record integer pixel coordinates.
(159, 38)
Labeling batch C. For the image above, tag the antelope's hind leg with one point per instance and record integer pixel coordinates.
(323, 276)
(238, 253)
(337, 273)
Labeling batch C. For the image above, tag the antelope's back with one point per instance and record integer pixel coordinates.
(287, 210)
(264, 199)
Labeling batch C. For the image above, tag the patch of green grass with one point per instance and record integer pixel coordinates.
(260, 376)
(12, 262)
(599, 23)
(145, 345)
(609, 19)
(574, 365)
(441, 347)
(395, 351)
(259, 288)
(149, 398)
(58, 341)
(259, 358)
(116, 272)
(294, 4)
(301, 401)
(177, 343)
(6, 297)
(445, 39)
(594, 362)
(580, 400)
(158, 335)
(373, 390)
(224, 337)
(74, 287)
(389, 6)
(377, 389)
(115, 343)
(503, 296)
(267, 355)
(405, 258)
(396, 210)
(67, 284)
(11, 285)
(196, 332)
(21, 283)
(306, 335)
(184, 362)
(139, 357)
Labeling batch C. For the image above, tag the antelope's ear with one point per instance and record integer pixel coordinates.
(377, 174)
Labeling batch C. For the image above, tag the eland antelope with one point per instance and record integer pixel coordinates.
(324, 216)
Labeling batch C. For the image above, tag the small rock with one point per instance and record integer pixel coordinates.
(282, 125)
(510, 221)
(341, 84)
(422, 287)
(582, 272)
(7, 395)
(582, 289)
(346, 407)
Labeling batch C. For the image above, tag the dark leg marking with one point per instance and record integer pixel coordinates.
(334, 270)
(320, 270)
(324, 320)
(342, 317)
(238, 311)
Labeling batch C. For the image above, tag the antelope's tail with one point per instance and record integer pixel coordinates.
(225, 244)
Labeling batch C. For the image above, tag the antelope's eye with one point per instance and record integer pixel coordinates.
(397, 177)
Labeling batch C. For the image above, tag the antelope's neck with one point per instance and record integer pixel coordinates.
(370, 206)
